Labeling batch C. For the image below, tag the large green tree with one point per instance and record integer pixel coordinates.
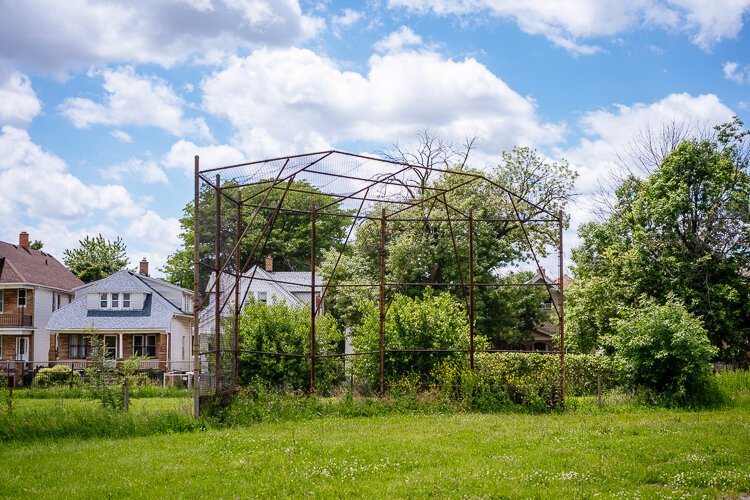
(96, 258)
(684, 229)
(430, 247)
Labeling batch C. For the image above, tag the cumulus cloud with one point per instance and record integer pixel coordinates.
(401, 93)
(134, 99)
(147, 171)
(181, 156)
(121, 136)
(18, 102)
(736, 73)
(55, 37)
(565, 24)
(398, 40)
(346, 19)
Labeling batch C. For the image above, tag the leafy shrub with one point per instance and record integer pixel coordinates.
(433, 321)
(664, 351)
(55, 376)
(280, 328)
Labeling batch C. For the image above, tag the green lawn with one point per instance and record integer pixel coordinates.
(636, 453)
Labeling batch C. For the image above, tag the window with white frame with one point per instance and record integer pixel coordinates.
(2, 302)
(126, 301)
(263, 297)
(103, 301)
(115, 301)
(144, 345)
(78, 347)
(21, 297)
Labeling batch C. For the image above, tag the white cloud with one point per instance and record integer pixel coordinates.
(181, 156)
(401, 94)
(53, 37)
(121, 136)
(736, 73)
(398, 40)
(566, 23)
(134, 99)
(147, 171)
(347, 18)
(18, 102)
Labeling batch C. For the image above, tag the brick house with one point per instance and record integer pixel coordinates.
(33, 285)
(135, 314)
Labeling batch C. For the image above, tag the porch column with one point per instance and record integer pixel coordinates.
(119, 347)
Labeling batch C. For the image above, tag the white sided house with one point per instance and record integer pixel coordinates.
(137, 316)
(261, 285)
(33, 285)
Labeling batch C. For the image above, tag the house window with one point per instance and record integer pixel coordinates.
(263, 297)
(78, 347)
(126, 301)
(102, 301)
(2, 302)
(21, 297)
(58, 301)
(547, 304)
(144, 345)
(110, 346)
(115, 301)
(540, 346)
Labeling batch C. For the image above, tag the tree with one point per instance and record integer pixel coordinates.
(685, 229)
(36, 245)
(431, 247)
(96, 258)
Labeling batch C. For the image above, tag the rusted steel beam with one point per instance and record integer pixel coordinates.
(561, 288)
(217, 291)
(381, 373)
(313, 297)
(471, 289)
(196, 294)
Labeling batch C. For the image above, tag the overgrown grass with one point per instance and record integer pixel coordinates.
(83, 391)
(35, 419)
(653, 454)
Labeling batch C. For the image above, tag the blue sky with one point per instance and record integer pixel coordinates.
(104, 104)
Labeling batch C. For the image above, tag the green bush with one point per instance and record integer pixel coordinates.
(280, 328)
(664, 351)
(433, 321)
(55, 376)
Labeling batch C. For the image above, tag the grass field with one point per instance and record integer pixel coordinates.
(634, 453)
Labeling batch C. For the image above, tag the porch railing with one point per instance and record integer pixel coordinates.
(12, 320)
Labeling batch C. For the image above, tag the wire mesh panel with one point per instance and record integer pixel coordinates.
(341, 267)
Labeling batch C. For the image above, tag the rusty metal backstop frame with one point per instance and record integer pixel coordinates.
(386, 184)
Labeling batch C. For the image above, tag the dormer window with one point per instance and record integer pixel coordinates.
(115, 300)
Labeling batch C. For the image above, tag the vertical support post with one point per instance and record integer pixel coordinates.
(217, 288)
(313, 298)
(561, 288)
(471, 288)
(381, 375)
(237, 278)
(196, 293)
(126, 395)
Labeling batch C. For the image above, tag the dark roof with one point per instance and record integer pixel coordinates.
(20, 265)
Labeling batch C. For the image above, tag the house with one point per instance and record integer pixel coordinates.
(262, 285)
(544, 334)
(33, 285)
(135, 314)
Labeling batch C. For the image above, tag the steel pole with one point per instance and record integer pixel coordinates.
(561, 288)
(471, 289)
(381, 376)
(313, 298)
(196, 293)
(237, 281)
(217, 289)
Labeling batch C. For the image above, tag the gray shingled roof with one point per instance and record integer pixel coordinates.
(157, 312)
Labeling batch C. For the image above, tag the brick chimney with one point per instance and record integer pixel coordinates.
(269, 263)
(143, 267)
(23, 240)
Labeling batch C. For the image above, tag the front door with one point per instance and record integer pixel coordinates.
(22, 349)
